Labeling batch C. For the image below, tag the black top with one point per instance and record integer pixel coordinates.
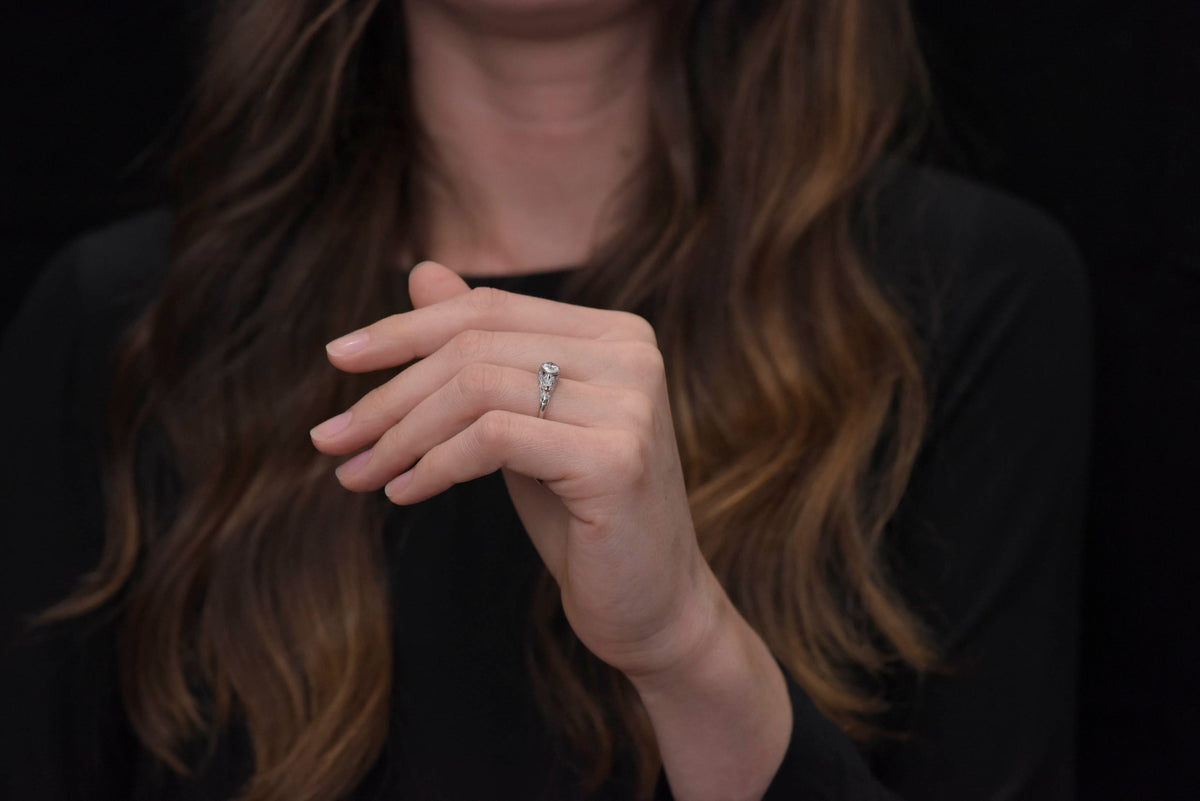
(986, 543)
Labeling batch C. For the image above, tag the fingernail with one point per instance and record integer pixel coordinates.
(352, 466)
(397, 484)
(334, 425)
(351, 343)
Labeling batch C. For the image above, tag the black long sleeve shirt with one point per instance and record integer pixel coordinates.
(985, 545)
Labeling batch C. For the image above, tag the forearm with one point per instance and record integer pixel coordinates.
(723, 718)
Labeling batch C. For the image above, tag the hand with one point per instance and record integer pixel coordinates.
(611, 520)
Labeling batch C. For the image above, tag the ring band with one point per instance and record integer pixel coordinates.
(547, 380)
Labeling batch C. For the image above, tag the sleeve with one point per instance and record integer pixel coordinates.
(987, 542)
(63, 731)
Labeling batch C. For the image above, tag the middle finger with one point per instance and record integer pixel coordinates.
(602, 363)
(476, 389)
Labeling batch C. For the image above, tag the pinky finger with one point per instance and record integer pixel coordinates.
(551, 451)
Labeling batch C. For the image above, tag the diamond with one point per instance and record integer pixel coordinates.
(548, 376)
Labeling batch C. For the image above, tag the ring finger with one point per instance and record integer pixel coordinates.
(599, 363)
(474, 390)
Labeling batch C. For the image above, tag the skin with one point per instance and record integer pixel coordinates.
(533, 135)
(524, 91)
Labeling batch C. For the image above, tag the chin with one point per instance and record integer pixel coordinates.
(538, 17)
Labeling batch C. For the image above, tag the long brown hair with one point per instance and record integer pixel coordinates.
(796, 383)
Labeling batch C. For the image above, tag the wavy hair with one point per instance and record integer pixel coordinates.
(795, 380)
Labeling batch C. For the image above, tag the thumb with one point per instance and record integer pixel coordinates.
(430, 283)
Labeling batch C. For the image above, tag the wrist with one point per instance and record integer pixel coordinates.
(702, 631)
(712, 645)
(720, 709)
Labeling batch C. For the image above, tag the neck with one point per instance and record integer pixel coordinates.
(535, 125)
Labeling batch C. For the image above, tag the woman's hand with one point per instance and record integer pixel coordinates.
(611, 519)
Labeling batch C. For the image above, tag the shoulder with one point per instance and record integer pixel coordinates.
(102, 273)
(964, 234)
(60, 344)
(977, 267)
(97, 281)
(956, 218)
(122, 262)
(67, 330)
(92, 288)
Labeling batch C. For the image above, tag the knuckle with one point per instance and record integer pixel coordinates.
(494, 429)
(478, 380)
(486, 299)
(390, 443)
(627, 457)
(375, 403)
(471, 345)
(638, 328)
(639, 410)
(647, 363)
(384, 327)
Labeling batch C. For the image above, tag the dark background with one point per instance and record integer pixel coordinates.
(1089, 109)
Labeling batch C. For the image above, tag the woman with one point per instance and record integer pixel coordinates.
(798, 520)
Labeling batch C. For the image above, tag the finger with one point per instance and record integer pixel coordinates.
(402, 338)
(475, 391)
(571, 461)
(430, 283)
(632, 364)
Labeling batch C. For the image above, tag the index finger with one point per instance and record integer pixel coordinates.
(400, 338)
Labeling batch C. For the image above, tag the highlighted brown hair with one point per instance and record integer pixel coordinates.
(796, 383)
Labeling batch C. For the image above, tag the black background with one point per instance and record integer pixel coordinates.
(1089, 109)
